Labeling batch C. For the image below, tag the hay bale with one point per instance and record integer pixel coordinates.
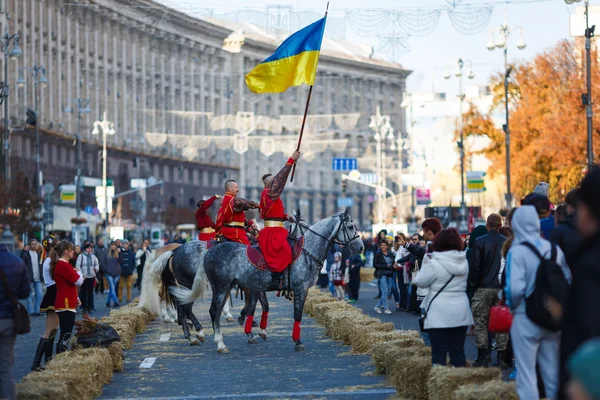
(345, 328)
(367, 274)
(409, 346)
(409, 375)
(443, 381)
(319, 310)
(115, 349)
(333, 318)
(126, 333)
(316, 299)
(364, 338)
(493, 390)
(42, 390)
(83, 373)
(323, 304)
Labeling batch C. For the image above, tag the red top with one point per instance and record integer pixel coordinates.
(66, 278)
(203, 220)
(271, 206)
(232, 213)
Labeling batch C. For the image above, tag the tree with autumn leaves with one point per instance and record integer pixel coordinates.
(19, 205)
(547, 121)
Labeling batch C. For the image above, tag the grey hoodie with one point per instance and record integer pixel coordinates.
(522, 263)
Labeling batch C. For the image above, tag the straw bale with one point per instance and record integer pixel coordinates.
(311, 300)
(318, 302)
(319, 310)
(443, 381)
(493, 390)
(115, 349)
(333, 318)
(409, 346)
(126, 332)
(409, 375)
(364, 338)
(344, 329)
(42, 390)
(366, 274)
(83, 372)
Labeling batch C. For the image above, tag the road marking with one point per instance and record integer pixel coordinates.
(165, 337)
(367, 392)
(148, 362)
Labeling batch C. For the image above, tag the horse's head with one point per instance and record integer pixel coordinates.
(347, 234)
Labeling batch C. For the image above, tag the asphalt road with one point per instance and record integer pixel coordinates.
(267, 370)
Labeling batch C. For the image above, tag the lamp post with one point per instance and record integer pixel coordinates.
(407, 102)
(380, 124)
(461, 97)
(83, 107)
(587, 98)
(502, 44)
(106, 128)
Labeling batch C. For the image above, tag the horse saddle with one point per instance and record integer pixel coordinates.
(256, 258)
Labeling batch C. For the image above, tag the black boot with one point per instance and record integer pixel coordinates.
(48, 349)
(501, 362)
(63, 345)
(39, 351)
(481, 360)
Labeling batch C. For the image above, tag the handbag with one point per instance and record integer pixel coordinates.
(21, 316)
(501, 318)
(414, 273)
(424, 315)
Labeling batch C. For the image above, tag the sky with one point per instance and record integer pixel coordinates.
(543, 23)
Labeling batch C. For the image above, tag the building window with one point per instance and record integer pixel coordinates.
(205, 178)
(215, 179)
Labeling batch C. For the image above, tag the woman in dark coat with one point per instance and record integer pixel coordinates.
(357, 261)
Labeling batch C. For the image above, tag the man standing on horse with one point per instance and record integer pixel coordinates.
(203, 222)
(231, 218)
(273, 237)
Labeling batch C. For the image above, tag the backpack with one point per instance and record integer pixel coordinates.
(550, 282)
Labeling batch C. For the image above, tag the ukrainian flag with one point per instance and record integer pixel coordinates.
(293, 63)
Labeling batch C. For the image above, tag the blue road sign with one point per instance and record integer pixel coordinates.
(344, 164)
(345, 202)
(89, 209)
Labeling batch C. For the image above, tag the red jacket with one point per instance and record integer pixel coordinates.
(273, 237)
(203, 222)
(231, 219)
(67, 279)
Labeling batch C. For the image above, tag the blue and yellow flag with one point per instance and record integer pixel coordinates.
(293, 63)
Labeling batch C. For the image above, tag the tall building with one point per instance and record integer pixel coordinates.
(174, 87)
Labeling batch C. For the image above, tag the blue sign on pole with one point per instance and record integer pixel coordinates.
(345, 202)
(89, 209)
(344, 164)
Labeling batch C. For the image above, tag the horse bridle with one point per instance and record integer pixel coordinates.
(347, 238)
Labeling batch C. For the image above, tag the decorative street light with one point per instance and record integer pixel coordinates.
(106, 128)
(502, 44)
(14, 53)
(82, 107)
(461, 97)
(587, 98)
(380, 124)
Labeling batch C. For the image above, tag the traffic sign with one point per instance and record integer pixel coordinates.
(345, 202)
(423, 196)
(475, 181)
(89, 209)
(344, 164)
(48, 188)
(368, 177)
(68, 194)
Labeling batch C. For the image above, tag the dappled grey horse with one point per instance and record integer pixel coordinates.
(226, 265)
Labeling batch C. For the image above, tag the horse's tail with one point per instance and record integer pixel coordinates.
(185, 295)
(152, 282)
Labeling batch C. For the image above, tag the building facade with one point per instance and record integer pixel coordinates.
(170, 83)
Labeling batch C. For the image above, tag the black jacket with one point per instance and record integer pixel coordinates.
(17, 278)
(381, 267)
(484, 265)
(127, 259)
(417, 251)
(567, 237)
(581, 321)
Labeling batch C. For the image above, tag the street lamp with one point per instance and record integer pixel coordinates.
(461, 97)
(82, 107)
(39, 81)
(380, 124)
(14, 53)
(502, 44)
(587, 98)
(106, 128)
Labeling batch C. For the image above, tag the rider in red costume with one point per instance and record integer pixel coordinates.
(203, 222)
(273, 237)
(231, 218)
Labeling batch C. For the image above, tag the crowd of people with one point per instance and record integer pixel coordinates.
(452, 281)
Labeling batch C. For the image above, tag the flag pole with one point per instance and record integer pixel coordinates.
(304, 118)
